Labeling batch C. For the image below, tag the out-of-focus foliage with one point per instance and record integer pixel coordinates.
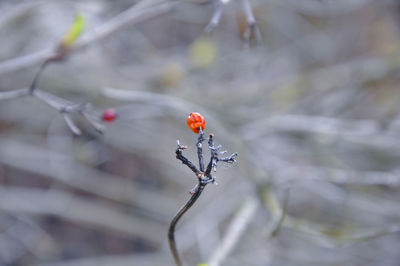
(75, 30)
(313, 112)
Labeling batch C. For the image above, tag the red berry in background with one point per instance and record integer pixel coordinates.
(109, 115)
(195, 121)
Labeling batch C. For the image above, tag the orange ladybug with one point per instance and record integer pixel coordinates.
(195, 121)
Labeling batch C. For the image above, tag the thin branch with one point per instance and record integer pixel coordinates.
(281, 219)
(25, 61)
(6, 95)
(76, 209)
(52, 100)
(178, 216)
(66, 107)
(215, 17)
(277, 212)
(213, 161)
(92, 120)
(252, 27)
(200, 150)
(71, 124)
(63, 106)
(185, 160)
(36, 158)
(58, 57)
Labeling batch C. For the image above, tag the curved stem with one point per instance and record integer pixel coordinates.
(57, 57)
(37, 76)
(178, 216)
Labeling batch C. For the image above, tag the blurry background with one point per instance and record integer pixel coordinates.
(312, 111)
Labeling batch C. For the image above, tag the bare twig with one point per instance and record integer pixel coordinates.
(251, 28)
(25, 61)
(251, 24)
(138, 12)
(281, 219)
(56, 58)
(185, 160)
(66, 108)
(276, 211)
(204, 178)
(71, 124)
(58, 167)
(215, 17)
(6, 95)
(178, 216)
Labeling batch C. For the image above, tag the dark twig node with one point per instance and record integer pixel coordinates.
(204, 178)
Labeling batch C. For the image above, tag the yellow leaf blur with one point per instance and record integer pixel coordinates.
(203, 52)
(74, 31)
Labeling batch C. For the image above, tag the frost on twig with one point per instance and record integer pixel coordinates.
(204, 175)
(204, 178)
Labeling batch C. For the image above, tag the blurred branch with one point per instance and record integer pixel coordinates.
(61, 105)
(289, 173)
(24, 234)
(283, 214)
(113, 260)
(234, 231)
(166, 101)
(214, 21)
(310, 124)
(63, 169)
(224, 205)
(252, 27)
(25, 61)
(76, 209)
(277, 212)
(7, 95)
(137, 13)
(320, 232)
